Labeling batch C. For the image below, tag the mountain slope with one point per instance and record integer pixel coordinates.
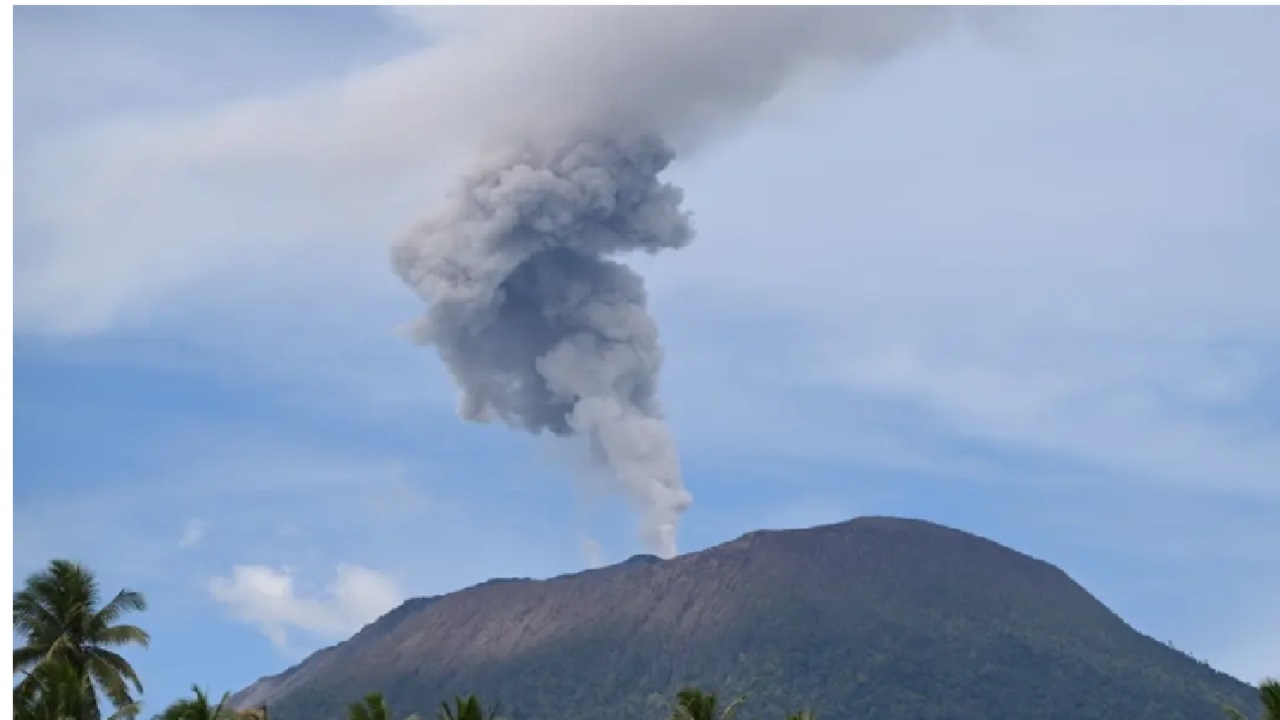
(872, 618)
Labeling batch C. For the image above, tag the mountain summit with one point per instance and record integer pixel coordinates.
(876, 617)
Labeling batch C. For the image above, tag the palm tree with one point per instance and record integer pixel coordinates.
(1269, 694)
(694, 704)
(198, 708)
(57, 692)
(372, 708)
(468, 708)
(58, 615)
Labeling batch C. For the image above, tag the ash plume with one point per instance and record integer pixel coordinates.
(527, 305)
(538, 326)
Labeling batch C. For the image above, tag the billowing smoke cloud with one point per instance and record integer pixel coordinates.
(541, 329)
(528, 306)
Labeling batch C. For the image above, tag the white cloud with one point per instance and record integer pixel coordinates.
(193, 532)
(268, 598)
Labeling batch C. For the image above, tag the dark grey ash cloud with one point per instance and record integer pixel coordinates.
(540, 326)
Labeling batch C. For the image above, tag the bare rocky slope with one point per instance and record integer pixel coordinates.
(873, 618)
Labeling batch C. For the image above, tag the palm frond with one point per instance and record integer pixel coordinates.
(128, 712)
(118, 635)
(26, 657)
(118, 664)
(196, 707)
(177, 710)
(373, 707)
(109, 681)
(125, 601)
(31, 614)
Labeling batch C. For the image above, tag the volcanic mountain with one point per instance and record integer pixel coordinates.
(876, 617)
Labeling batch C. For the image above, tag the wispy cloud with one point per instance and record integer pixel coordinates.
(193, 532)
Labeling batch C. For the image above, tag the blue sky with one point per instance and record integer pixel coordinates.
(1020, 283)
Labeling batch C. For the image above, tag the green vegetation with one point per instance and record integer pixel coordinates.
(468, 708)
(373, 707)
(67, 660)
(198, 707)
(67, 669)
(1269, 696)
(694, 704)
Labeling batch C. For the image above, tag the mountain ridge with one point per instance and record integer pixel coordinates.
(840, 616)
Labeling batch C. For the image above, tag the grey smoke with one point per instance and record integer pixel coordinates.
(539, 323)
(539, 328)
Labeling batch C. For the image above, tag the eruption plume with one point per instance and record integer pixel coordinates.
(540, 326)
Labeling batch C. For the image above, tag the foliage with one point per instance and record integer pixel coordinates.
(58, 692)
(1268, 695)
(67, 657)
(373, 707)
(55, 692)
(468, 708)
(199, 708)
(694, 704)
